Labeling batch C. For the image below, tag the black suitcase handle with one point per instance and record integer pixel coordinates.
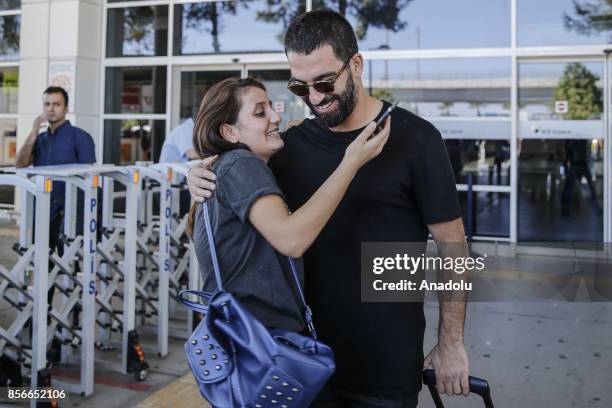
(477, 386)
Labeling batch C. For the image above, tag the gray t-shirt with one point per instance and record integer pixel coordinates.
(251, 269)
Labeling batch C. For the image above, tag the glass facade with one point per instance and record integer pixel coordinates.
(9, 37)
(9, 89)
(409, 24)
(222, 26)
(8, 141)
(135, 90)
(194, 84)
(10, 31)
(137, 31)
(10, 4)
(128, 141)
(563, 22)
(560, 155)
(528, 157)
(467, 87)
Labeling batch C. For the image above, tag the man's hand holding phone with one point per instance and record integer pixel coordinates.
(381, 120)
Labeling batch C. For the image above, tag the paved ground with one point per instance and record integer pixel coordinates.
(553, 354)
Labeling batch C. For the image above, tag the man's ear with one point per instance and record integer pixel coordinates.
(227, 131)
(357, 62)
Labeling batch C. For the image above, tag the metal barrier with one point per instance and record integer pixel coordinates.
(154, 251)
(117, 275)
(183, 262)
(141, 262)
(28, 296)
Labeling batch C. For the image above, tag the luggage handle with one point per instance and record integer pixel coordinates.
(477, 386)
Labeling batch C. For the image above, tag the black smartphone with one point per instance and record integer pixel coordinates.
(381, 120)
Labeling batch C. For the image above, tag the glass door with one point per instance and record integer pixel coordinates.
(289, 106)
(561, 150)
(608, 149)
(191, 83)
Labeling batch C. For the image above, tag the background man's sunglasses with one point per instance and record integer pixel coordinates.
(325, 86)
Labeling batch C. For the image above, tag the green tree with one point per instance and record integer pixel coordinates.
(368, 13)
(9, 36)
(578, 86)
(209, 15)
(590, 17)
(385, 94)
(138, 26)
(445, 108)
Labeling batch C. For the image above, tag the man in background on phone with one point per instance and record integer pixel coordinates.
(401, 196)
(59, 143)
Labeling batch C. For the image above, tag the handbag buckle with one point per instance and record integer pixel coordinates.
(309, 323)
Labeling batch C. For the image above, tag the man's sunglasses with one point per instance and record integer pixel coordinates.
(325, 86)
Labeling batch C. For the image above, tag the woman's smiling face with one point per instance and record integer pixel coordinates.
(258, 124)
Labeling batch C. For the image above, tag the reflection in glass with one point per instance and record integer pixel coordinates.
(9, 37)
(488, 214)
(137, 31)
(194, 85)
(9, 90)
(129, 141)
(233, 26)
(401, 24)
(8, 152)
(8, 141)
(448, 87)
(578, 84)
(564, 22)
(201, 28)
(286, 104)
(135, 90)
(10, 4)
(560, 190)
(560, 162)
(485, 161)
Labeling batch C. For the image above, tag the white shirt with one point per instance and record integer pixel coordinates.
(177, 143)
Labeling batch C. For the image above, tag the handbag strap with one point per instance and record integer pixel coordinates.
(217, 270)
(194, 305)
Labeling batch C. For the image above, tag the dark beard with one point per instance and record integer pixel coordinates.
(346, 103)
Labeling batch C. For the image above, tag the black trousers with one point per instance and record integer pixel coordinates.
(56, 227)
(333, 398)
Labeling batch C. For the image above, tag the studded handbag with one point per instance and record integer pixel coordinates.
(238, 362)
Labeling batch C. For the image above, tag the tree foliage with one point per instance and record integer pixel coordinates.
(138, 26)
(368, 13)
(578, 86)
(9, 35)
(591, 17)
(210, 15)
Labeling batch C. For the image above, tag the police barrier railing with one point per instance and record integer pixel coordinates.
(110, 273)
(183, 262)
(27, 296)
(77, 288)
(153, 243)
(118, 270)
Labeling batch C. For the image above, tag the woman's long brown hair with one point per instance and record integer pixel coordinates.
(220, 105)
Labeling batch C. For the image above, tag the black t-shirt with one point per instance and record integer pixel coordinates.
(378, 346)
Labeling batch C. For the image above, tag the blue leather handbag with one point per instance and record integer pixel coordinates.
(238, 362)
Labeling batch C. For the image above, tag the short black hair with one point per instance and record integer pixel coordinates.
(316, 28)
(57, 89)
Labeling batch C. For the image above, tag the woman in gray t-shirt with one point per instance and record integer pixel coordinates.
(254, 232)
